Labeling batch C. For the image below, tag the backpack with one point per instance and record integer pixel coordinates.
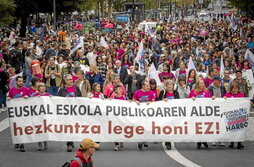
(85, 164)
(67, 164)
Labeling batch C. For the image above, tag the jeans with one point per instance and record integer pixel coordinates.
(2, 99)
(53, 90)
(28, 77)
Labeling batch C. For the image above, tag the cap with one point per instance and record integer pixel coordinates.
(88, 143)
(217, 78)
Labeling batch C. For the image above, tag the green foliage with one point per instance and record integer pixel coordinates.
(6, 11)
(244, 5)
(86, 5)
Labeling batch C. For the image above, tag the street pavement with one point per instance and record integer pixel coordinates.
(129, 156)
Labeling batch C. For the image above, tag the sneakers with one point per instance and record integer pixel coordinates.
(198, 145)
(2, 110)
(16, 145)
(205, 144)
(22, 148)
(231, 145)
(221, 144)
(168, 145)
(69, 148)
(39, 146)
(214, 144)
(116, 148)
(240, 146)
(45, 145)
(140, 146)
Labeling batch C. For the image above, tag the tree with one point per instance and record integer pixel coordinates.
(244, 5)
(6, 12)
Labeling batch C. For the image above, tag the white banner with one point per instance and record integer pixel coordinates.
(182, 120)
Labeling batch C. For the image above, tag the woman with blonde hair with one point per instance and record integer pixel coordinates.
(108, 79)
(93, 76)
(83, 83)
(200, 91)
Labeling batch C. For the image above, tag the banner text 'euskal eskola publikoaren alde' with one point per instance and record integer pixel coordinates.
(181, 120)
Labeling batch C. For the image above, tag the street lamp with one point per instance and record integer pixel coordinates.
(54, 10)
(98, 9)
(133, 8)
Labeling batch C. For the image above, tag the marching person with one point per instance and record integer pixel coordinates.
(109, 89)
(143, 95)
(41, 91)
(133, 80)
(4, 85)
(200, 91)
(84, 153)
(217, 90)
(53, 77)
(83, 83)
(166, 95)
(234, 92)
(242, 83)
(18, 92)
(69, 90)
(96, 92)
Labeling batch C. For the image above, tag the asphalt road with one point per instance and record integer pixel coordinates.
(129, 156)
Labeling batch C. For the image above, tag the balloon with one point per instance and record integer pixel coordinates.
(203, 33)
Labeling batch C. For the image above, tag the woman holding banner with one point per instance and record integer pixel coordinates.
(41, 91)
(200, 91)
(143, 95)
(69, 90)
(166, 95)
(234, 92)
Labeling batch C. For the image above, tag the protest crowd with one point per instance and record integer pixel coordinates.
(173, 60)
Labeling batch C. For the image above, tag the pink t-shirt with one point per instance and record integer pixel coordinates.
(32, 92)
(201, 94)
(119, 98)
(210, 81)
(109, 89)
(75, 78)
(170, 95)
(182, 73)
(155, 93)
(230, 95)
(38, 94)
(162, 74)
(96, 95)
(190, 81)
(18, 93)
(71, 91)
(141, 96)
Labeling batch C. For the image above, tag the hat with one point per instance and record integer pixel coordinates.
(217, 78)
(88, 143)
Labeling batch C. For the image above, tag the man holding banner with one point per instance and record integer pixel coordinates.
(18, 92)
(69, 90)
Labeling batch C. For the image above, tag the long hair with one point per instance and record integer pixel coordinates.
(232, 86)
(168, 66)
(195, 77)
(95, 68)
(196, 88)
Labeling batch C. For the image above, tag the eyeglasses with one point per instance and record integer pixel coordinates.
(69, 79)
